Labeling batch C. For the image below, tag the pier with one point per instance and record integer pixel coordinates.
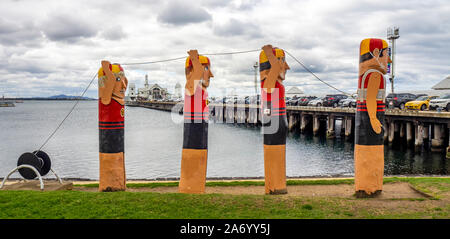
(414, 128)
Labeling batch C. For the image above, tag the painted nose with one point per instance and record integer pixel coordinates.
(286, 66)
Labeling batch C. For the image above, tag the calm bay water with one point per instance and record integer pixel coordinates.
(153, 145)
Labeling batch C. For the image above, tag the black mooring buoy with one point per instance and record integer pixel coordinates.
(38, 159)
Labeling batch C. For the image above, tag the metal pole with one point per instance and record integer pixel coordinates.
(392, 65)
(256, 77)
(392, 35)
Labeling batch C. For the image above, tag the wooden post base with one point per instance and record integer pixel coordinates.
(275, 169)
(112, 172)
(369, 168)
(193, 171)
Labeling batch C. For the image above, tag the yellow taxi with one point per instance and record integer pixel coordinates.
(420, 103)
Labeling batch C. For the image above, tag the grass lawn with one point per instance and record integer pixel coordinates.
(81, 204)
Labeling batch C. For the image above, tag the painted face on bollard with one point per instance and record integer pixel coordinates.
(203, 73)
(207, 74)
(197, 72)
(120, 85)
(284, 68)
(273, 66)
(374, 55)
(112, 82)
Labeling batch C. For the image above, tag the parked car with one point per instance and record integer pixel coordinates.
(441, 102)
(247, 100)
(399, 99)
(316, 102)
(421, 103)
(349, 102)
(333, 100)
(305, 100)
(292, 102)
(420, 95)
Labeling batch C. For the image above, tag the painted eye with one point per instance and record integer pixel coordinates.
(206, 67)
(118, 79)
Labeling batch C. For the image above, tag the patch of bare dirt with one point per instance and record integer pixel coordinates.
(390, 191)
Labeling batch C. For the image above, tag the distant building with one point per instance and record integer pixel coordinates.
(153, 92)
(294, 92)
(443, 85)
(132, 92)
(178, 91)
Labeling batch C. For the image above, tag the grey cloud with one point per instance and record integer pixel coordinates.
(13, 33)
(235, 27)
(68, 29)
(248, 4)
(215, 3)
(182, 13)
(113, 33)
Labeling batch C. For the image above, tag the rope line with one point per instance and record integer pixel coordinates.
(73, 107)
(175, 59)
(306, 68)
(151, 62)
(184, 57)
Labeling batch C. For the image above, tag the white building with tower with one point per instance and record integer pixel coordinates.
(178, 91)
(152, 92)
(131, 92)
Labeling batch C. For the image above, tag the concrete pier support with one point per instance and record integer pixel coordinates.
(386, 131)
(239, 115)
(419, 135)
(342, 129)
(253, 116)
(330, 127)
(348, 126)
(303, 123)
(230, 114)
(438, 142)
(409, 138)
(391, 132)
(292, 121)
(426, 133)
(316, 125)
(402, 130)
(397, 127)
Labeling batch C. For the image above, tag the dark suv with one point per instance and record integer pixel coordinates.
(399, 99)
(333, 100)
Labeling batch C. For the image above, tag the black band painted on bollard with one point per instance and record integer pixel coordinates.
(275, 117)
(364, 134)
(195, 135)
(111, 140)
(278, 138)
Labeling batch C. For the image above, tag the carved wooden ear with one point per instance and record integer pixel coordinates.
(376, 52)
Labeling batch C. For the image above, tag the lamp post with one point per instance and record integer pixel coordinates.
(392, 35)
(256, 77)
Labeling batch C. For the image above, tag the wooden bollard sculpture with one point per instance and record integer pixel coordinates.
(369, 148)
(195, 134)
(112, 85)
(273, 69)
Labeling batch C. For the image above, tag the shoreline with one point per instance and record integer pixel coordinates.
(82, 181)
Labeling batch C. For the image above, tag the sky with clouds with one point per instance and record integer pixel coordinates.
(55, 47)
